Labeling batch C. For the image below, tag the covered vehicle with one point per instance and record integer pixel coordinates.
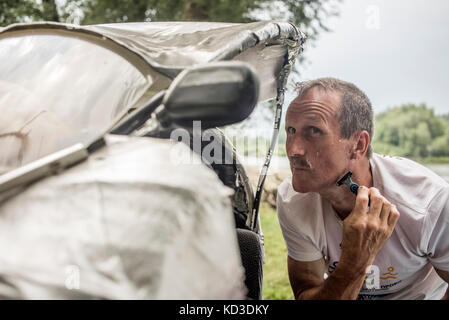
(97, 200)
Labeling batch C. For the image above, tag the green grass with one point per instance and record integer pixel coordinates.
(276, 285)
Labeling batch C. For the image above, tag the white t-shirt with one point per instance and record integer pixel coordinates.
(403, 269)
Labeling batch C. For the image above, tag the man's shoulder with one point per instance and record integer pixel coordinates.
(293, 203)
(287, 194)
(407, 182)
(404, 168)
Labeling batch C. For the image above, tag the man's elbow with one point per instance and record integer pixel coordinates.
(305, 293)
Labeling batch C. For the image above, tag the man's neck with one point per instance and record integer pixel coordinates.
(343, 200)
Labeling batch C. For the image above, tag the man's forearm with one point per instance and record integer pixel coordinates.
(342, 284)
(364, 235)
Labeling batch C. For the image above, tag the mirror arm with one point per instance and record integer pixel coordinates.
(163, 117)
(137, 118)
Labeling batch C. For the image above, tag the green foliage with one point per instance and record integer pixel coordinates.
(309, 15)
(105, 11)
(14, 11)
(17, 11)
(412, 131)
(111, 11)
(446, 116)
(440, 146)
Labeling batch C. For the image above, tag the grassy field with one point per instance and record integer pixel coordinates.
(275, 279)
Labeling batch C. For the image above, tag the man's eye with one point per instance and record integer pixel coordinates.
(315, 131)
(291, 130)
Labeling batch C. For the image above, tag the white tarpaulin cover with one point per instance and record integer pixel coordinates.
(137, 220)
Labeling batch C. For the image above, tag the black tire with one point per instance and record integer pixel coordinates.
(251, 253)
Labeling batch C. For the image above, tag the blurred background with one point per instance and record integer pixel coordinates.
(396, 51)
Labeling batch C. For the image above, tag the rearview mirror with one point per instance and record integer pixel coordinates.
(217, 94)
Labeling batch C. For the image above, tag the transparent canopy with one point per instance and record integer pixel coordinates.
(56, 91)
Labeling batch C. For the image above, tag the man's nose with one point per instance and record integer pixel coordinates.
(295, 146)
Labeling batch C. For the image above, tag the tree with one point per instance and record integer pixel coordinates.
(50, 11)
(440, 146)
(446, 116)
(411, 130)
(103, 11)
(13, 11)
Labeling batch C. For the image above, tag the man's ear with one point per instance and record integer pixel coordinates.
(361, 142)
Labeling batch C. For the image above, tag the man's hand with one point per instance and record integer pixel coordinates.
(366, 229)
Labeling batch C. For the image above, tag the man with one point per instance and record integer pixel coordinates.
(391, 241)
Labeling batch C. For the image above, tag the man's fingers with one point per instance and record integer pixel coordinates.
(376, 202)
(385, 212)
(361, 201)
(394, 215)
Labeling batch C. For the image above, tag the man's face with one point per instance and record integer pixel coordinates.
(318, 156)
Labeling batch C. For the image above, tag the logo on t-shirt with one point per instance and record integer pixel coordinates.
(390, 274)
(372, 279)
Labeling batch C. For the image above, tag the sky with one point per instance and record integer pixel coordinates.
(396, 51)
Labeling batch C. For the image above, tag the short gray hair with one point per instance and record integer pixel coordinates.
(355, 113)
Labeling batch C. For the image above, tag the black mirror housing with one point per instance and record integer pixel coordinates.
(216, 94)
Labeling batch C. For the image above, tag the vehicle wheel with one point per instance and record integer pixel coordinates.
(252, 260)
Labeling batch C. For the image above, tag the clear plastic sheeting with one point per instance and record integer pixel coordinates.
(58, 90)
(171, 47)
(140, 219)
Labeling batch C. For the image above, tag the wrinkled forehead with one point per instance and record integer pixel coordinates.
(316, 103)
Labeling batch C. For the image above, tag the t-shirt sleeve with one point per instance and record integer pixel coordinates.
(438, 245)
(300, 246)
